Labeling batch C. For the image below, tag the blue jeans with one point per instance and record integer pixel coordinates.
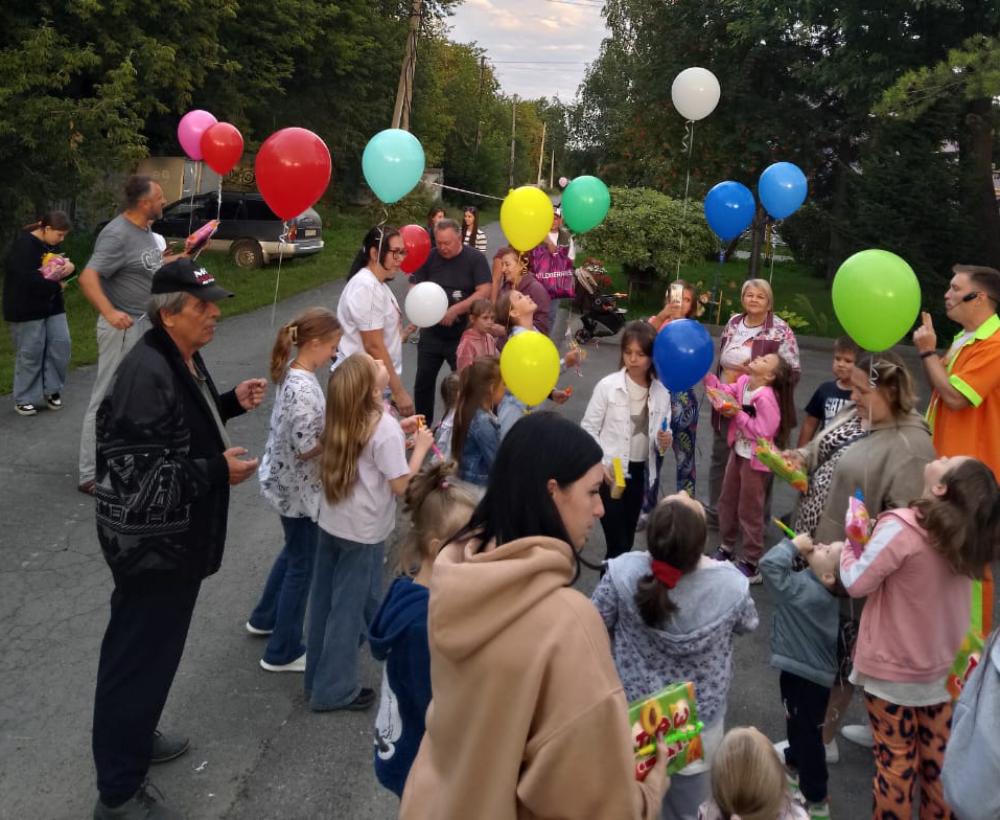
(43, 349)
(282, 605)
(346, 589)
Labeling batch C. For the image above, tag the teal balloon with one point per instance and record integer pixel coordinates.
(393, 164)
(876, 297)
(585, 203)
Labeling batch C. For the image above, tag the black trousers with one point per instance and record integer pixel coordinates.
(805, 708)
(432, 352)
(142, 648)
(622, 514)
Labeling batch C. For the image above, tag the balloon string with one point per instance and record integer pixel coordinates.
(465, 191)
(688, 145)
(770, 243)
(218, 210)
(194, 187)
(277, 279)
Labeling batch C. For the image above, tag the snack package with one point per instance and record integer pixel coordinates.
(857, 523)
(671, 715)
(54, 267)
(196, 241)
(721, 400)
(773, 460)
(967, 659)
(618, 488)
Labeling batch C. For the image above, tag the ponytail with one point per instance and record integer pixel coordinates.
(314, 323)
(57, 220)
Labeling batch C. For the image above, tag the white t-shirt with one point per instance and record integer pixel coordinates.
(903, 694)
(638, 410)
(737, 352)
(368, 513)
(744, 447)
(368, 304)
(291, 484)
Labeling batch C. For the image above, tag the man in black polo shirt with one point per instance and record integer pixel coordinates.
(464, 274)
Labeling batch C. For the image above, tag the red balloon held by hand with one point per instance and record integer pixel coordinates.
(418, 247)
(293, 170)
(222, 147)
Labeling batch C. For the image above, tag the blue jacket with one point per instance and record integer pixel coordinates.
(479, 449)
(398, 636)
(806, 618)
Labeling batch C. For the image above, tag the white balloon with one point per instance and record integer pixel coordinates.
(695, 93)
(426, 304)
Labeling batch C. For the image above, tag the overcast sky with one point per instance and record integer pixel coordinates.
(539, 48)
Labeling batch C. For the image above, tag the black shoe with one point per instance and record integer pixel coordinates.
(25, 409)
(364, 700)
(145, 804)
(167, 747)
(54, 401)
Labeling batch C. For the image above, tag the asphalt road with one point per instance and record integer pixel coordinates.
(257, 752)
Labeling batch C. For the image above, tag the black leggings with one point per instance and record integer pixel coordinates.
(622, 514)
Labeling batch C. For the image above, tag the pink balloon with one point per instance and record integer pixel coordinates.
(189, 131)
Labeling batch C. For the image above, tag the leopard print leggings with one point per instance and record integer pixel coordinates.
(909, 745)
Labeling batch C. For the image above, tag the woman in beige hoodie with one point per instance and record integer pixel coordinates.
(528, 717)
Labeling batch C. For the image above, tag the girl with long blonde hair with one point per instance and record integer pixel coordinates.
(363, 467)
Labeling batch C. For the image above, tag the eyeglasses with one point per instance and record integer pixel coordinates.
(400, 252)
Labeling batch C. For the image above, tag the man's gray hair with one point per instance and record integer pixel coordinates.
(170, 303)
(447, 224)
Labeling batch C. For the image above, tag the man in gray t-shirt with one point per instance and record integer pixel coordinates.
(117, 281)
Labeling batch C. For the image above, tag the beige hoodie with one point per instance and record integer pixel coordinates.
(528, 717)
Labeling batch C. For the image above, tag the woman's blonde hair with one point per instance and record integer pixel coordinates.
(438, 508)
(760, 284)
(892, 378)
(314, 323)
(352, 412)
(748, 779)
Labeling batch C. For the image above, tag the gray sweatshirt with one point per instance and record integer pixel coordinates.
(804, 631)
(972, 759)
(696, 643)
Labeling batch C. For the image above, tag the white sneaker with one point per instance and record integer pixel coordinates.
(832, 752)
(860, 733)
(253, 630)
(298, 665)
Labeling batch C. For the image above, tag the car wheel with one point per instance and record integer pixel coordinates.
(247, 253)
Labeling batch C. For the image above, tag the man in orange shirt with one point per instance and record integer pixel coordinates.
(964, 412)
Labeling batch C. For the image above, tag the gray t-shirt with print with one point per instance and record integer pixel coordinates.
(126, 257)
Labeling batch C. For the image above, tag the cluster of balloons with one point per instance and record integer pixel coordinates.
(526, 212)
(203, 137)
(876, 297)
(730, 206)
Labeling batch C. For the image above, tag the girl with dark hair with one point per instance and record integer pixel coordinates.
(917, 572)
(629, 416)
(290, 482)
(368, 310)
(528, 718)
(672, 613)
(476, 435)
(33, 282)
(434, 215)
(471, 235)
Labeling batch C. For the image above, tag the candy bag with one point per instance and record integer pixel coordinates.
(671, 715)
(53, 267)
(857, 523)
(773, 460)
(196, 241)
(721, 400)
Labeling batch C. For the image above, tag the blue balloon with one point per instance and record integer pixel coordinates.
(683, 354)
(729, 209)
(782, 189)
(393, 164)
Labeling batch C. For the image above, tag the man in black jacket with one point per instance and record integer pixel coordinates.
(164, 467)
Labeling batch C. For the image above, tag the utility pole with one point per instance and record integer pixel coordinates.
(552, 171)
(541, 155)
(513, 131)
(479, 108)
(404, 91)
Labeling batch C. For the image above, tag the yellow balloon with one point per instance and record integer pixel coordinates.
(526, 217)
(529, 366)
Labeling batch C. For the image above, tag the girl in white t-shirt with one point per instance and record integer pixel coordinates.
(363, 468)
(289, 480)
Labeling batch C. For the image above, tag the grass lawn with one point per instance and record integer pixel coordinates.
(796, 289)
(342, 233)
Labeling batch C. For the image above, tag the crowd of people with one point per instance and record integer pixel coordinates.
(505, 690)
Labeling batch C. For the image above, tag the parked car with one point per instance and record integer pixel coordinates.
(249, 230)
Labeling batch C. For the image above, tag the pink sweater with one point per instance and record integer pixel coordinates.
(918, 608)
(764, 423)
(472, 345)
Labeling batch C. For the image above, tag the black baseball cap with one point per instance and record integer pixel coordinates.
(187, 276)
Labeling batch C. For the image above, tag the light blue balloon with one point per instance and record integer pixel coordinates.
(782, 189)
(729, 209)
(393, 164)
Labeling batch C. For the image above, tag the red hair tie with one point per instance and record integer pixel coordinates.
(666, 574)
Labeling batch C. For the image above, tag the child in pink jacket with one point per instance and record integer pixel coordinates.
(765, 396)
(478, 339)
(916, 571)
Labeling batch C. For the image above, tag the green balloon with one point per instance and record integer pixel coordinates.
(876, 297)
(585, 203)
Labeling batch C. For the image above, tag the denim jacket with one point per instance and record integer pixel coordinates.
(480, 448)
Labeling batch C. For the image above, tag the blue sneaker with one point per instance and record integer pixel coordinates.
(721, 554)
(750, 571)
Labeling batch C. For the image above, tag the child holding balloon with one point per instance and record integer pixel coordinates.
(766, 411)
(629, 415)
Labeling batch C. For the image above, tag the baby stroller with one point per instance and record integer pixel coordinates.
(599, 312)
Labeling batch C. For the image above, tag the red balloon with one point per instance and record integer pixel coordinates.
(418, 247)
(222, 147)
(293, 170)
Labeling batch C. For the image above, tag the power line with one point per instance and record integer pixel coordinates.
(539, 62)
(578, 3)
